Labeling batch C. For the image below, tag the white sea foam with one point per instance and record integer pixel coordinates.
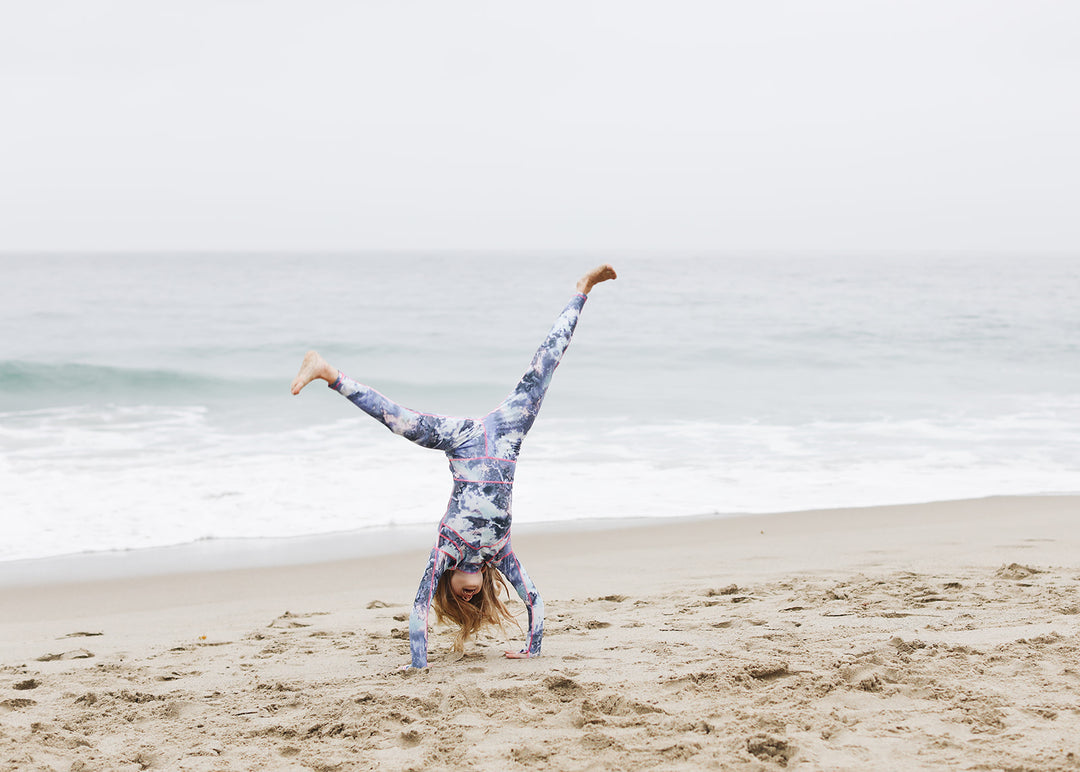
(757, 387)
(109, 489)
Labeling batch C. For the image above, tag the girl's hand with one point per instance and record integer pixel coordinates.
(523, 654)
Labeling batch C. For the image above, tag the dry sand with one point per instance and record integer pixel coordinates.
(936, 636)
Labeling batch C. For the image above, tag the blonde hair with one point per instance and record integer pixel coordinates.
(484, 609)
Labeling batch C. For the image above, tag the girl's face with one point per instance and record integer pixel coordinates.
(465, 585)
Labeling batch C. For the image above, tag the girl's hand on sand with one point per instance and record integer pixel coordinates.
(516, 654)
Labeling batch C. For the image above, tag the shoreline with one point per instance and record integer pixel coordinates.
(311, 549)
(988, 531)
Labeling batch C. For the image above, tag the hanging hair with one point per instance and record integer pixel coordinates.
(484, 609)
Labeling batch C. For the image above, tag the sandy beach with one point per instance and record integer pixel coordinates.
(931, 636)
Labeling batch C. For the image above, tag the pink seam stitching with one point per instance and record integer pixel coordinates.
(452, 558)
(497, 548)
(459, 536)
(454, 541)
(485, 482)
(482, 458)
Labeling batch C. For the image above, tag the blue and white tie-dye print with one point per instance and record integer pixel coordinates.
(475, 531)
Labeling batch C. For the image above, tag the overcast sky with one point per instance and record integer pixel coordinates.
(805, 125)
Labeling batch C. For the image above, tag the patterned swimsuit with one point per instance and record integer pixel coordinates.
(475, 531)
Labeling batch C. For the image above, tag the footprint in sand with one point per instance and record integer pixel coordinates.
(770, 748)
(565, 689)
(282, 623)
(175, 675)
(76, 654)
(867, 678)
(595, 741)
(1016, 571)
(617, 705)
(530, 756)
(288, 620)
(768, 671)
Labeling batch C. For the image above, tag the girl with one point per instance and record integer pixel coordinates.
(473, 551)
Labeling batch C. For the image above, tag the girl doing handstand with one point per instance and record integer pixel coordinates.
(473, 551)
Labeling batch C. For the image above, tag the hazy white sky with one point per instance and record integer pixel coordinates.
(765, 125)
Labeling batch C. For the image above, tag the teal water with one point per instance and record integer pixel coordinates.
(143, 399)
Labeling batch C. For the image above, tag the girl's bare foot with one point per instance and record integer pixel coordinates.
(313, 366)
(594, 277)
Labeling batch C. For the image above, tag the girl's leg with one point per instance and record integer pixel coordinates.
(430, 431)
(518, 411)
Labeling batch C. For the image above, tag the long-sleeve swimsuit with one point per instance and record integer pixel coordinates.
(475, 531)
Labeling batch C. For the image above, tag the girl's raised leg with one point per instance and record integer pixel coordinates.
(515, 416)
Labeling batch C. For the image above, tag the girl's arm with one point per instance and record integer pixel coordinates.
(515, 573)
(418, 620)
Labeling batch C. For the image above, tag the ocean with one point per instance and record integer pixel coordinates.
(144, 399)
